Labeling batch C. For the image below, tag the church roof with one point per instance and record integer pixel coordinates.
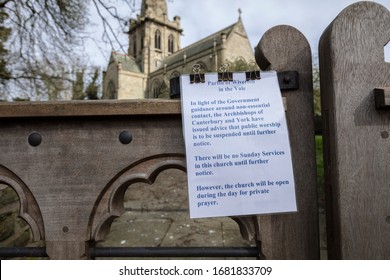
(199, 46)
(128, 62)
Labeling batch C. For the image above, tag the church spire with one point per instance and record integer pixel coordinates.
(154, 9)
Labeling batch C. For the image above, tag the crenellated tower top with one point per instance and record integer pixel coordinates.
(154, 9)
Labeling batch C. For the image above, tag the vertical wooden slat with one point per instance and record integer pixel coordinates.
(356, 142)
(293, 236)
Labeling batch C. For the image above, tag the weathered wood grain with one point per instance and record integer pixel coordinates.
(60, 180)
(356, 142)
(293, 236)
(71, 186)
(89, 108)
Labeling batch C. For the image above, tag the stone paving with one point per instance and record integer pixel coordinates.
(157, 216)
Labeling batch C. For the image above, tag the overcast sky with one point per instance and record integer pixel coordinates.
(200, 18)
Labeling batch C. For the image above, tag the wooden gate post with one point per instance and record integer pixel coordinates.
(356, 142)
(293, 236)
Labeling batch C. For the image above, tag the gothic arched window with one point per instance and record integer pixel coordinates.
(170, 43)
(157, 39)
(174, 75)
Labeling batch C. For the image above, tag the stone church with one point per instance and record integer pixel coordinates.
(155, 56)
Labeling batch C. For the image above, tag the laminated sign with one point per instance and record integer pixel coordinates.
(237, 146)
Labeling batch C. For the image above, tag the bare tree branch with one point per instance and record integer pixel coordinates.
(47, 38)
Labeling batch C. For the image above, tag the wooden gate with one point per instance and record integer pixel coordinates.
(355, 81)
(71, 162)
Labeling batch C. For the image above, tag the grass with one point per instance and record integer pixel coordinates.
(321, 196)
(320, 161)
(320, 172)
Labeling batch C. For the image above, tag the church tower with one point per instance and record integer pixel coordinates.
(152, 36)
(155, 57)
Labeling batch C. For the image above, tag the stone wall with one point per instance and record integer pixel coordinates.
(14, 231)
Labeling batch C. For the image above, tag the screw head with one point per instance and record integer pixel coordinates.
(34, 139)
(125, 137)
(385, 134)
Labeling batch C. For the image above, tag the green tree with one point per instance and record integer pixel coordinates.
(91, 91)
(78, 86)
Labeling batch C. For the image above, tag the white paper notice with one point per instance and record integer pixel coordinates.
(237, 147)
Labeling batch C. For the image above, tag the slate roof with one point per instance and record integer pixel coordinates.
(199, 46)
(128, 62)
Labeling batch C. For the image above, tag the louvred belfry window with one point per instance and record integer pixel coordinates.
(157, 40)
(170, 43)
